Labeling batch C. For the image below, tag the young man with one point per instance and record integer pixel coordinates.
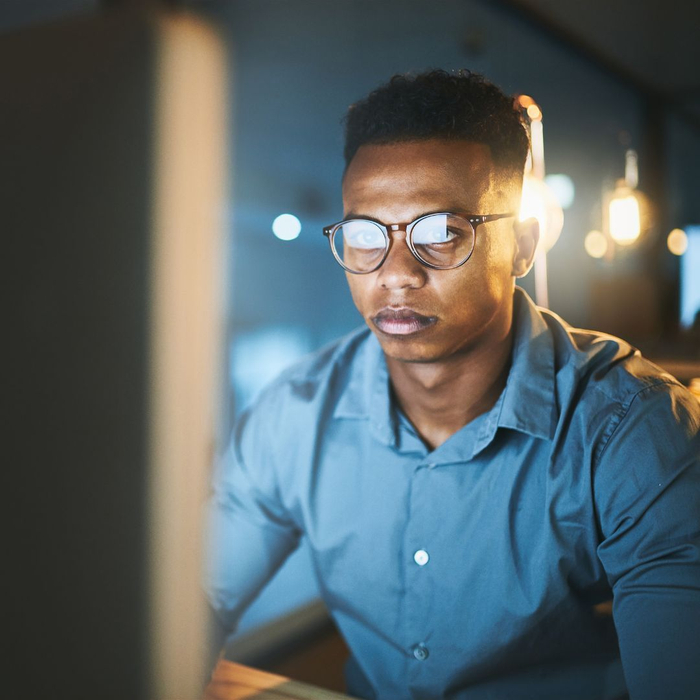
(473, 475)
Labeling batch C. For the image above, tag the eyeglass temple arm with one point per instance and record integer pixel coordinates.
(476, 220)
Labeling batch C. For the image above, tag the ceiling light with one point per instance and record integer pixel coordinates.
(626, 208)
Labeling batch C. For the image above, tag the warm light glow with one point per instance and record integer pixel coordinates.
(538, 201)
(631, 169)
(624, 219)
(694, 387)
(533, 111)
(286, 227)
(536, 149)
(525, 101)
(677, 241)
(596, 244)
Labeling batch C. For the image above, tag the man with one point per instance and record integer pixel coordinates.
(474, 476)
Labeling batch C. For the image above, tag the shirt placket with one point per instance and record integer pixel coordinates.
(416, 558)
(419, 560)
(424, 551)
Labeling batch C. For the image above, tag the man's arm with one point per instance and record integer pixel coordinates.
(249, 533)
(647, 491)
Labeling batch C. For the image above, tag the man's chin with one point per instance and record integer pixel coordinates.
(406, 349)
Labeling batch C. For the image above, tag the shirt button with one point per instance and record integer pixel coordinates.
(420, 651)
(421, 557)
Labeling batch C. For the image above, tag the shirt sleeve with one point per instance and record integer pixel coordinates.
(249, 532)
(647, 493)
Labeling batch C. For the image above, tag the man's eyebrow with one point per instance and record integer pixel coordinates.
(458, 209)
(367, 217)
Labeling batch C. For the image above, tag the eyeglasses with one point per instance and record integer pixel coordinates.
(441, 241)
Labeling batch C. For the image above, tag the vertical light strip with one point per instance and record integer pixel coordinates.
(186, 322)
(537, 145)
(690, 280)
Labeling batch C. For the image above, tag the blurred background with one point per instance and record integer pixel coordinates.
(87, 90)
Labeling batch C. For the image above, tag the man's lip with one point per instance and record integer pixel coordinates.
(401, 321)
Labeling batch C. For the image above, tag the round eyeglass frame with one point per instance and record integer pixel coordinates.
(473, 220)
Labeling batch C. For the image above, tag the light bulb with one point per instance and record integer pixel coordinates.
(624, 218)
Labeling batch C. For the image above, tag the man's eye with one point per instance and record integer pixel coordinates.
(434, 230)
(363, 237)
(433, 235)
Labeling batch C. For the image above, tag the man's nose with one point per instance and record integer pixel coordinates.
(401, 269)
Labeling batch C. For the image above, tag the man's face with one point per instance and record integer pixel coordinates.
(417, 313)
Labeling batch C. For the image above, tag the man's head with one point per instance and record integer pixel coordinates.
(438, 143)
(460, 106)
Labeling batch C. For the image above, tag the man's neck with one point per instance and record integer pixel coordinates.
(440, 398)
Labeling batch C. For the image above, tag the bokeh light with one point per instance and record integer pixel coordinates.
(596, 244)
(286, 227)
(625, 225)
(677, 241)
(539, 201)
(525, 101)
(533, 111)
(563, 188)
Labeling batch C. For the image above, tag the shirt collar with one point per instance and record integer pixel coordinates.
(527, 403)
(367, 394)
(529, 399)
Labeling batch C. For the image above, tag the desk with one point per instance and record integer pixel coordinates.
(231, 681)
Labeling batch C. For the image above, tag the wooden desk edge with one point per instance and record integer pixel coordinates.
(232, 681)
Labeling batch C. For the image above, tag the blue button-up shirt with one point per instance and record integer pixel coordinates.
(472, 570)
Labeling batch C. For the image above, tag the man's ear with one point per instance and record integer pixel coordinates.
(527, 235)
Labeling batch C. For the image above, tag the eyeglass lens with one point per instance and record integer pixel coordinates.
(439, 240)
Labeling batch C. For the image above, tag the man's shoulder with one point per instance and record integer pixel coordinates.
(582, 381)
(616, 409)
(321, 375)
(592, 362)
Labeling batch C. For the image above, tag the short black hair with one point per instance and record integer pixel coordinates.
(436, 104)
